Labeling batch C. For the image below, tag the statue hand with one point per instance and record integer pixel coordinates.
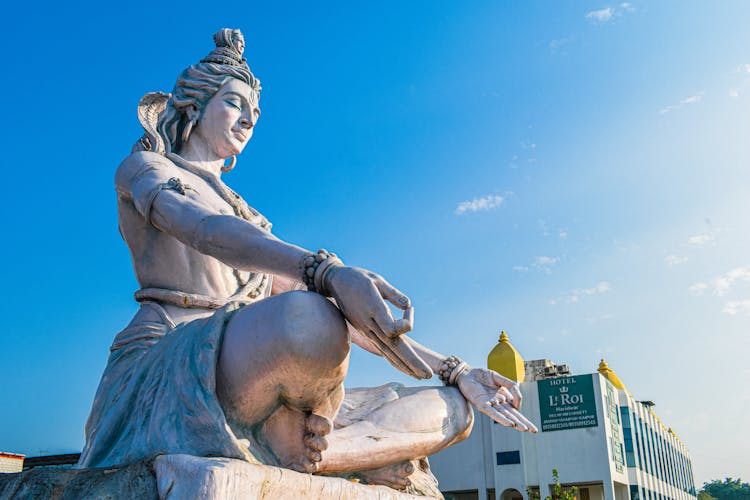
(496, 396)
(361, 296)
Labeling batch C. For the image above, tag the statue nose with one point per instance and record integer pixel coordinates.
(246, 123)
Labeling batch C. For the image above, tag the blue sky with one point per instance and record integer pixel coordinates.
(575, 173)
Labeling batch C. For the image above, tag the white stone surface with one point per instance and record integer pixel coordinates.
(185, 476)
(180, 477)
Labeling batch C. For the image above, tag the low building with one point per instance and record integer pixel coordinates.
(11, 462)
(591, 430)
(62, 461)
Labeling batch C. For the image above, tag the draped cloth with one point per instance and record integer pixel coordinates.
(158, 393)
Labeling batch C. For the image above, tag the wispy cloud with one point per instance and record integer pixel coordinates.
(699, 240)
(541, 263)
(577, 294)
(740, 86)
(543, 226)
(723, 283)
(609, 14)
(559, 43)
(600, 16)
(673, 260)
(544, 263)
(627, 246)
(693, 99)
(698, 288)
(526, 155)
(563, 234)
(592, 320)
(485, 203)
(736, 307)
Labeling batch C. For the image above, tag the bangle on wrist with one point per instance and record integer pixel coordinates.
(316, 268)
(323, 274)
(451, 368)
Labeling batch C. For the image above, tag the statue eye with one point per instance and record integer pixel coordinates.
(234, 104)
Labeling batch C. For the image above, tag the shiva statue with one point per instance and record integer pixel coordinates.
(241, 343)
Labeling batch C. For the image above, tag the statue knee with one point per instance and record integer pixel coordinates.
(315, 329)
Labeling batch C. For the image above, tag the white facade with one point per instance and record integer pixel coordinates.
(10, 462)
(611, 448)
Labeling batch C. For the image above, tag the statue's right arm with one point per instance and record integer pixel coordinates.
(187, 217)
(149, 181)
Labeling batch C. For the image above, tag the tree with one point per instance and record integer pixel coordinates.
(729, 489)
(702, 495)
(559, 492)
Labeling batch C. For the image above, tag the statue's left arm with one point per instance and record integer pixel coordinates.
(489, 392)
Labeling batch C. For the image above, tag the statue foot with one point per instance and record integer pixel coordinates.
(394, 476)
(297, 438)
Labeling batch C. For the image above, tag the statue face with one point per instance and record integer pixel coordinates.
(228, 119)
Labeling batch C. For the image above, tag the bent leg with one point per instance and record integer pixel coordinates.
(280, 373)
(421, 422)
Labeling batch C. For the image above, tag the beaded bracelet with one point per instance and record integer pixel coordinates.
(450, 368)
(315, 268)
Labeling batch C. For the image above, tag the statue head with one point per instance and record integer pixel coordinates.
(225, 70)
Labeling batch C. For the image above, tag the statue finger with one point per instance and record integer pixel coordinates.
(511, 386)
(505, 409)
(497, 416)
(405, 352)
(392, 294)
(502, 381)
(505, 394)
(384, 320)
(402, 351)
(406, 323)
(501, 399)
(390, 355)
(515, 391)
(521, 418)
(390, 327)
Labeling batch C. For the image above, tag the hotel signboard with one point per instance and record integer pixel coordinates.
(567, 403)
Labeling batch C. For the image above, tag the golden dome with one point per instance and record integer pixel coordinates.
(607, 372)
(505, 360)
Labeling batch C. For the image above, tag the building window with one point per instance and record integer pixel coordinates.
(627, 433)
(508, 457)
(461, 495)
(634, 492)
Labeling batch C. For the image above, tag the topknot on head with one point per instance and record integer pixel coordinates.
(230, 45)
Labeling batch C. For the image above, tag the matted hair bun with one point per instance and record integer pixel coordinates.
(230, 44)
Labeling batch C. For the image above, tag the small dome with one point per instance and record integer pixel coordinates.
(505, 360)
(607, 372)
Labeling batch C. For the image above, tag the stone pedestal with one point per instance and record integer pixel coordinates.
(180, 477)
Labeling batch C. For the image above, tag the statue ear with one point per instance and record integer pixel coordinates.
(192, 114)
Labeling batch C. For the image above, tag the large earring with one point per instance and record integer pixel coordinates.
(227, 168)
(193, 115)
(188, 128)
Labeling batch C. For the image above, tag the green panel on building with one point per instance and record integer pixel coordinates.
(567, 403)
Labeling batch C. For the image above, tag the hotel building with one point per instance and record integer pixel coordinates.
(591, 430)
